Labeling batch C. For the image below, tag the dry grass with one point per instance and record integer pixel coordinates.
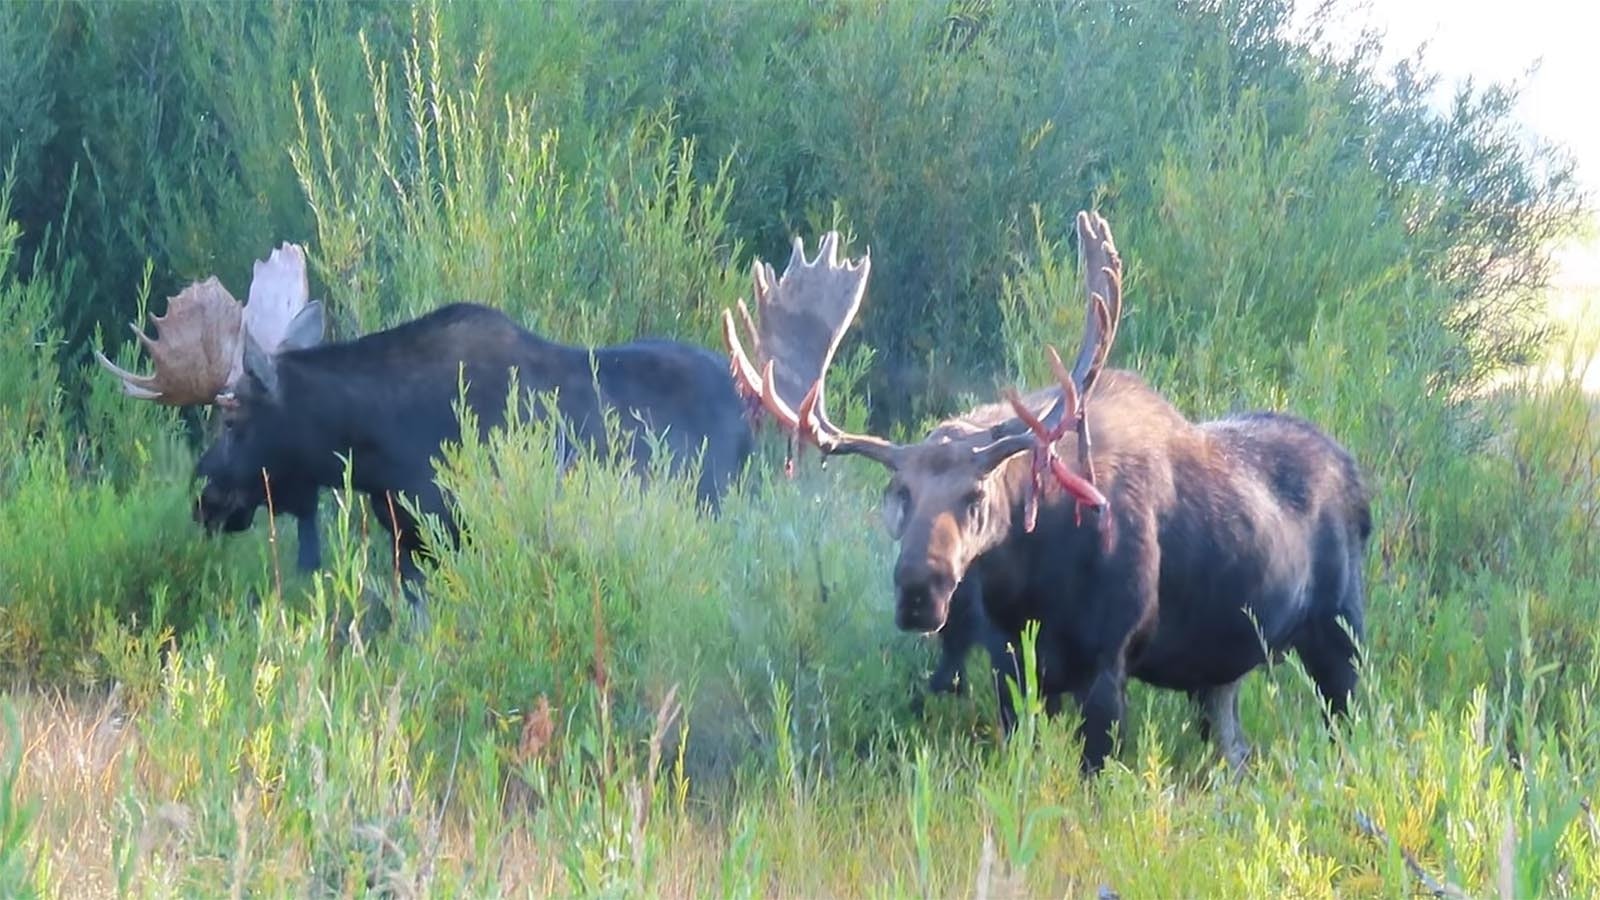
(81, 750)
(75, 749)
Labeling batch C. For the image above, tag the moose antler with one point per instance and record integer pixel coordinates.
(803, 316)
(278, 293)
(1102, 275)
(1102, 282)
(197, 351)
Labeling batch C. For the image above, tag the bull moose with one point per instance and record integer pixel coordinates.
(1180, 554)
(294, 409)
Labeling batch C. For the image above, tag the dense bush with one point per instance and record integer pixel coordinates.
(618, 694)
(931, 132)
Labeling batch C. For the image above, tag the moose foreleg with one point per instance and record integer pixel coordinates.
(1006, 666)
(966, 627)
(1102, 704)
(308, 555)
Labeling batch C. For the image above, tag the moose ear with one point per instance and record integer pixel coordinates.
(306, 330)
(260, 365)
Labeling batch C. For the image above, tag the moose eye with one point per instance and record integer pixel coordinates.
(896, 501)
(973, 503)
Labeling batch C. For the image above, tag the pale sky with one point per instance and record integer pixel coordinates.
(1502, 41)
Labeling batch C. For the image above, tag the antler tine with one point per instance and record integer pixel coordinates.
(196, 352)
(748, 381)
(1030, 429)
(828, 251)
(797, 258)
(1102, 276)
(749, 326)
(140, 387)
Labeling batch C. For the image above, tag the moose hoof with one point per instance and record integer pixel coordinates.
(1238, 755)
(947, 683)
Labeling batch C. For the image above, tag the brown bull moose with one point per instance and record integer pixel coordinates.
(1180, 554)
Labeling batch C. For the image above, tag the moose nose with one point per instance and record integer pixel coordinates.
(923, 592)
(219, 510)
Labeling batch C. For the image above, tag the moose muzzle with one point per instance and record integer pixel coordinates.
(923, 589)
(217, 509)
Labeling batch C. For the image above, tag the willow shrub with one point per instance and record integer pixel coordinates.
(445, 189)
(621, 693)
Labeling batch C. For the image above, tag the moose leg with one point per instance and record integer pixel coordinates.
(1220, 717)
(1329, 655)
(1006, 666)
(308, 555)
(1102, 704)
(407, 547)
(1328, 643)
(965, 627)
(411, 584)
(1197, 698)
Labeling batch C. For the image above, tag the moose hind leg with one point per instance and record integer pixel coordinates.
(1329, 654)
(1197, 699)
(1219, 717)
(1328, 643)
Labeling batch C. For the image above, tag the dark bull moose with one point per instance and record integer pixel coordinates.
(294, 410)
(1179, 554)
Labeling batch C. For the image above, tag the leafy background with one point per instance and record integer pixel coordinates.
(599, 710)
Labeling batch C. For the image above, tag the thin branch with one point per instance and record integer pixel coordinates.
(1434, 885)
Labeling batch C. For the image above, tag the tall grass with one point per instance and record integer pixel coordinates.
(619, 694)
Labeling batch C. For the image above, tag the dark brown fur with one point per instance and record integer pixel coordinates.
(1228, 541)
(385, 404)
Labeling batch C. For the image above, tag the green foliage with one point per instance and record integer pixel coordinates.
(30, 403)
(78, 556)
(618, 693)
(444, 192)
(24, 60)
(17, 863)
(1456, 168)
(590, 136)
(157, 132)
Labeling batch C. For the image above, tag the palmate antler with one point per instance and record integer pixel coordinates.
(198, 351)
(279, 293)
(802, 317)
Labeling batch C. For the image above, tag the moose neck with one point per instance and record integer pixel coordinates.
(1136, 435)
(387, 401)
(324, 420)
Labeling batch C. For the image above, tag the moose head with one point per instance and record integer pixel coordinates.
(949, 498)
(211, 351)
